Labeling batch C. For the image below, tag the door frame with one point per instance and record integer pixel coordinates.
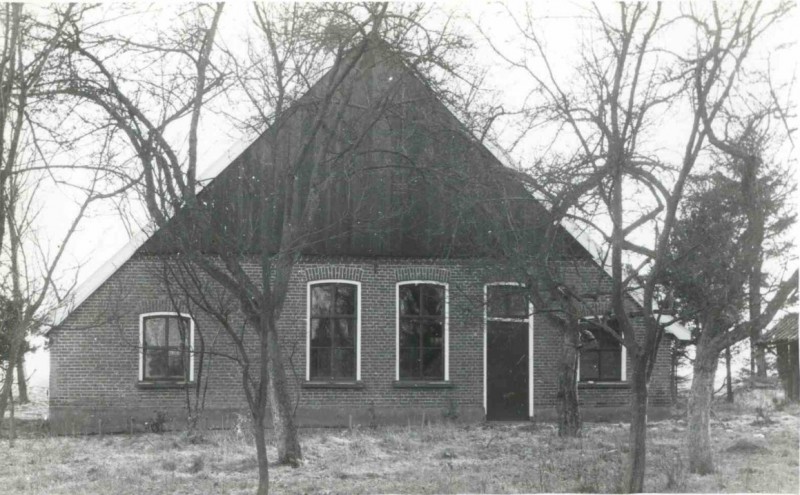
(485, 343)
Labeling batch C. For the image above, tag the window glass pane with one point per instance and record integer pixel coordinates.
(345, 332)
(409, 334)
(611, 365)
(176, 360)
(156, 363)
(495, 302)
(433, 363)
(517, 302)
(320, 362)
(320, 332)
(507, 301)
(345, 299)
(155, 333)
(409, 362)
(432, 334)
(589, 366)
(433, 299)
(409, 300)
(178, 332)
(344, 365)
(603, 339)
(321, 299)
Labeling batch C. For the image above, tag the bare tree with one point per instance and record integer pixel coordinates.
(626, 78)
(29, 263)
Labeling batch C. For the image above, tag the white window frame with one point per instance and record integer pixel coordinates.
(486, 341)
(141, 340)
(623, 366)
(446, 324)
(358, 322)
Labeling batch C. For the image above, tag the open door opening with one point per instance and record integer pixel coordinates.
(508, 355)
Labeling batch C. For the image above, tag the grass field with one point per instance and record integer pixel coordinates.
(445, 458)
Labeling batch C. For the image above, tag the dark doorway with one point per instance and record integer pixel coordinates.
(506, 370)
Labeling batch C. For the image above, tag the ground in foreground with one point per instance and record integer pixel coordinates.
(756, 456)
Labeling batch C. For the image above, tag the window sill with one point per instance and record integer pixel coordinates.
(163, 385)
(334, 384)
(601, 385)
(422, 384)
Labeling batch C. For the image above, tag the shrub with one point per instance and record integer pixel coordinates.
(157, 422)
(242, 426)
(762, 418)
(779, 403)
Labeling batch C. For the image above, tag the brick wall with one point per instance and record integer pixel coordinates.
(94, 354)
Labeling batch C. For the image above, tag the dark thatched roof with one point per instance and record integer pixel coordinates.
(400, 176)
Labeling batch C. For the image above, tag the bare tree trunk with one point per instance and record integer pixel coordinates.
(794, 381)
(12, 433)
(257, 398)
(22, 385)
(634, 481)
(8, 382)
(759, 357)
(261, 452)
(569, 414)
(699, 431)
(758, 360)
(280, 404)
(728, 378)
(4, 393)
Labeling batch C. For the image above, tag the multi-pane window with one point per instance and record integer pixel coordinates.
(421, 331)
(333, 331)
(165, 347)
(601, 359)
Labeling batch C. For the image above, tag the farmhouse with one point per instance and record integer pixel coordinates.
(408, 298)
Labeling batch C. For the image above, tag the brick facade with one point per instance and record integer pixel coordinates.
(94, 355)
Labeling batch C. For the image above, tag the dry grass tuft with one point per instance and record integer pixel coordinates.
(746, 446)
(194, 465)
(672, 466)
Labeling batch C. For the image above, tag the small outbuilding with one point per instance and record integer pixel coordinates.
(783, 337)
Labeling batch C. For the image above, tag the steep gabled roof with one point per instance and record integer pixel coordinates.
(365, 222)
(402, 175)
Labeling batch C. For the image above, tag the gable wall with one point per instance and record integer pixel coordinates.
(94, 361)
(396, 175)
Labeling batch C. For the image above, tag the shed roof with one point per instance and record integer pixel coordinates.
(783, 331)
